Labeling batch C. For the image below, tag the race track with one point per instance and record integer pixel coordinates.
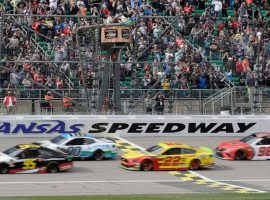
(106, 177)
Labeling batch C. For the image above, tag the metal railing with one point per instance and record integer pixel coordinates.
(224, 97)
(31, 101)
(138, 93)
(185, 101)
(36, 93)
(24, 108)
(37, 46)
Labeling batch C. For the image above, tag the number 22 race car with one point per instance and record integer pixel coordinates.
(253, 147)
(30, 158)
(168, 156)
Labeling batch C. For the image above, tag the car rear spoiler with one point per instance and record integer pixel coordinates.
(206, 149)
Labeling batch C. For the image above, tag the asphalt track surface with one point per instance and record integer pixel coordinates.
(106, 177)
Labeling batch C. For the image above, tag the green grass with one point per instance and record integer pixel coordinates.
(221, 196)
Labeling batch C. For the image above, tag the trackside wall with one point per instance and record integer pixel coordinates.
(132, 125)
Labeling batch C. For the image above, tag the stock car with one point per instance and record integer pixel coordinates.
(30, 158)
(168, 156)
(82, 146)
(252, 147)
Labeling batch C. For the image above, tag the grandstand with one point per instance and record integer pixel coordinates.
(203, 57)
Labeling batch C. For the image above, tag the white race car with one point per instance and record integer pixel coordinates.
(82, 146)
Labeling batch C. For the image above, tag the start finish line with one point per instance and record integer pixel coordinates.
(132, 125)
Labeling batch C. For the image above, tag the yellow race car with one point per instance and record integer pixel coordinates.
(168, 156)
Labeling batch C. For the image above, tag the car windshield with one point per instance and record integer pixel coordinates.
(247, 139)
(155, 149)
(251, 141)
(58, 140)
(12, 152)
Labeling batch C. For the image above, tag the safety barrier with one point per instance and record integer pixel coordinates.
(132, 125)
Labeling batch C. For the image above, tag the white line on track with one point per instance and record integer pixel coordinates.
(205, 178)
(112, 181)
(125, 181)
(246, 180)
(131, 143)
(219, 166)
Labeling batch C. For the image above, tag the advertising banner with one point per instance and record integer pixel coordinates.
(129, 125)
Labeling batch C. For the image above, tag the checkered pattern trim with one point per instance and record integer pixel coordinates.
(190, 177)
(124, 146)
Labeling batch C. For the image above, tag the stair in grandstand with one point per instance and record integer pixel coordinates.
(222, 99)
(48, 52)
(46, 49)
(140, 73)
(38, 45)
(219, 63)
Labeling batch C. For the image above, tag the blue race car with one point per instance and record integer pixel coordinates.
(82, 146)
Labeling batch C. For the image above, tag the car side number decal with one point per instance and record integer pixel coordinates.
(176, 160)
(75, 151)
(29, 164)
(172, 161)
(264, 151)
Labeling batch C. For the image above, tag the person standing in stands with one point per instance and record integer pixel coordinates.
(217, 7)
(251, 83)
(48, 98)
(148, 104)
(159, 106)
(166, 86)
(10, 103)
(67, 103)
(106, 104)
(202, 82)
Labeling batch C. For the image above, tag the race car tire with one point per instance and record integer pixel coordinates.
(98, 155)
(3, 168)
(147, 165)
(194, 165)
(240, 155)
(52, 168)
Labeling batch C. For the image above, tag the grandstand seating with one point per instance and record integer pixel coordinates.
(48, 47)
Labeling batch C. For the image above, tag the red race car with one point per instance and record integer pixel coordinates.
(253, 147)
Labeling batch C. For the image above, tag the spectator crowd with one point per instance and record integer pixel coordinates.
(209, 42)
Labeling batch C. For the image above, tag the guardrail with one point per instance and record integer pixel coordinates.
(26, 93)
(185, 102)
(203, 94)
(39, 107)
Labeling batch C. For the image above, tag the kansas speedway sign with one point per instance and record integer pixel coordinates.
(128, 125)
